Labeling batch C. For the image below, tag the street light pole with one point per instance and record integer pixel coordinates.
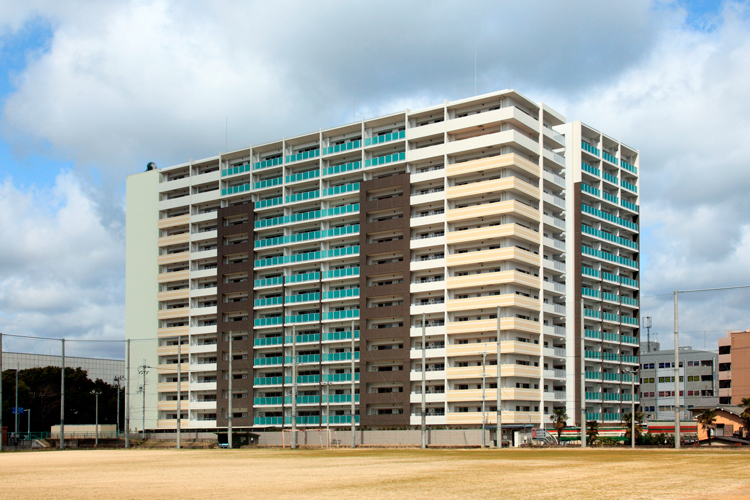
(96, 396)
(118, 379)
(484, 363)
(424, 396)
(499, 430)
(583, 377)
(632, 373)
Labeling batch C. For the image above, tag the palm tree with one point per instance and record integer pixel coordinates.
(746, 415)
(707, 420)
(627, 418)
(592, 430)
(560, 419)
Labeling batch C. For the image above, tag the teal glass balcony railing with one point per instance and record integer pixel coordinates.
(276, 181)
(236, 170)
(610, 396)
(304, 420)
(593, 334)
(610, 277)
(610, 197)
(589, 292)
(302, 297)
(269, 282)
(276, 360)
(593, 395)
(348, 314)
(627, 339)
(307, 256)
(629, 301)
(611, 297)
(610, 178)
(269, 380)
(305, 155)
(611, 317)
(307, 195)
(340, 335)
(611, 218)
(267, 420)
(269, 321)
(346, 188)
(340, 377)
(308, 379)
(590, 313)
(627, 204)
(629, 320)
(609, 237)
(272, 301)
(346, 167)
(588, 168)
(590, 190)
(340, 148)
(609, 158)
(267, 401)
(242, 188)
(593, 416)
(301, 339)
(628, 281)
(301, 278)
(303, 400)
(271, 202)
(629, 359)
(587, 271)
(341, 273)
(611, 376)
(594, 375)
(307, 236)
(629, 186)
(342, 398)
(588, 147)
(608, 256)
(268, 163)
(627, 166)
(610, 356)
(382, 160)
(304, 216)
(303, 318)
(264, 341)
(342, 419)
(380, 139)
(305, 358)
(340, 356)
(341, 294)
(610, 337)
(303, 176)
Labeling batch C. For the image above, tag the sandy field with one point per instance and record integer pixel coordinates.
(375, 474)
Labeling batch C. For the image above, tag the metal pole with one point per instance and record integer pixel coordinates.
(179, 391)
(143, 412)
(16, 411)
(499, 430)
(484, 426)
(328, 411)
(62, 399)
(354, 410)
(424, 386)
(632, 409)
(294, 387)
(583, 377)
(127, 393)
(1, 391)
(28, 427)
(676, 378)
(96, 412)
(231, 392)
(118, 379)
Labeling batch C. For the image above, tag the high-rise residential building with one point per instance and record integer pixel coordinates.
(734, 368)
(437, 220)
(698, 381)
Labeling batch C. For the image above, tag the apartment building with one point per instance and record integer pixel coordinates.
(325, 256)
(734, 368)
(698, 381)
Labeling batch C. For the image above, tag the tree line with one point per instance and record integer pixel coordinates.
(39, 390)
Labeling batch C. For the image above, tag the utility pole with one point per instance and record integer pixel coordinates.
(424, 385)
(96, 396)
(499, 429)
(143, 370)
(179, 392)
(676, 378)
(62, 398)
(28, 426)
(231, 395)
(647, 324)
(327, 385)
(354, 410)
(127, 393)
(118, 379)
(1, 390)
(632, 409)
(294, 387)
(484, 425)
(583, 377)
(16, 412)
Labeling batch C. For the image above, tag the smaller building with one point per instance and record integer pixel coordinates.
(698, 381)
(734, 367)
(729, 428)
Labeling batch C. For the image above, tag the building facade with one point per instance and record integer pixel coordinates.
(734, 368)
(326, 256)
(698, 379)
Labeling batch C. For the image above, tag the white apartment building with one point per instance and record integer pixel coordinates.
(455, 213)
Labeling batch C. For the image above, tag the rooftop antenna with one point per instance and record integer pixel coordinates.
(647, 324)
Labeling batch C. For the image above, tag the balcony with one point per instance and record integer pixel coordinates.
(380, 139)
(303, 176)
(340, 148)
(305, 155)
(382, 160)
(340, 169)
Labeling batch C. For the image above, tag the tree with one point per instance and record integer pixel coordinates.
(707, 420)
(746, 415)
(560, 419)
(627, 418)
(592, 430)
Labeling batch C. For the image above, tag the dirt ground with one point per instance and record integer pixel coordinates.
(379, 474)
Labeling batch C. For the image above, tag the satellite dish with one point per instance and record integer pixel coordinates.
(150, 166)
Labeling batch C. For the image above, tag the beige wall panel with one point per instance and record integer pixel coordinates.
(493, 302)
(173, 258)
(508, 394)
(493, 162)
(486, 256)
(455, 372)
(173, 295)
(174, 221)
(176, 276)
(180, 312)
(488, 209)
(495, 185)
(502, 277)
(172, 387)
(492, 232)
(172, 332)
(507, 347)
(490, 325)
(174, 240)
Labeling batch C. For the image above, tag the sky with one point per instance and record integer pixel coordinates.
(92, 91)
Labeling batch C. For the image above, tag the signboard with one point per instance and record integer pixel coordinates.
(20, 410)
